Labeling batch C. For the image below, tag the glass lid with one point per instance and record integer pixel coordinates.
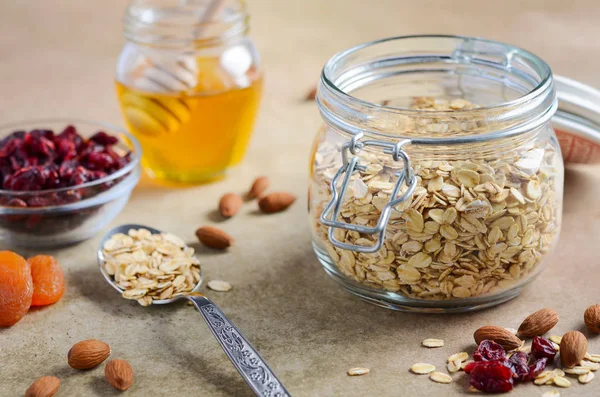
(577, 121)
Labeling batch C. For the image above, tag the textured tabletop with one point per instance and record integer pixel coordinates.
(58, 57)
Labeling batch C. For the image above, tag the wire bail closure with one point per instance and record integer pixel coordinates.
(352, 165)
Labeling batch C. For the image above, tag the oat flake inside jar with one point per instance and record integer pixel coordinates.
(436, 181)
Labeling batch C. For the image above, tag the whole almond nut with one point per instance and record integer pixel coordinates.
(46, 386)
(592, 318)
(259, 186)
(312, 94)
(230, 204)
(119, 374)
(573, 347)
(214, 238)
(275, 202)
(499, 335)
(538, 323)
(88, 354)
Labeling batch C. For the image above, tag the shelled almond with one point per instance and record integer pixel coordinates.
(119, 374)
(88, 354)
(591, 318)
(538, 323)
(46, 386)
(230, 204)
(276, 202)
(259, 186)
(214, 237)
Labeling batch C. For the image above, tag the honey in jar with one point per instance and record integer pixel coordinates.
(190, 98)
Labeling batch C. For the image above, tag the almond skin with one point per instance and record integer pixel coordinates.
(214, 238)
(499, 335)
(230, 204)
(573, 347)
(538, 323)
(46, 386)
(276, 202)
(119, 374)
(312, 94)
(258, 187)
(592, 318)
(88, 354)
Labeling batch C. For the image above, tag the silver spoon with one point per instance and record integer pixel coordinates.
(242, 354)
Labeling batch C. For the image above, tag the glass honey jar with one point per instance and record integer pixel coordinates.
(189, 84)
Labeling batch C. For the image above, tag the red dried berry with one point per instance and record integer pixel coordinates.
(542, 347)
(102, 138)
(469, 367)
(491, 377)
(489, 350)
(518, 365)
(536, 367)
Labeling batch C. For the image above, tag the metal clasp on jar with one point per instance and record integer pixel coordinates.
(351, 165)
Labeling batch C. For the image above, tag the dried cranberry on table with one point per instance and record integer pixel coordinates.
(489, 350)
(492, 372)
(491, 377)
(526, 367)
(542, 348)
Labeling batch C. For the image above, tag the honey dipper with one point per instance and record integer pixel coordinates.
(154, 116)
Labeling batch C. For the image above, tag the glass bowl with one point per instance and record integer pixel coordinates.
(63, 216)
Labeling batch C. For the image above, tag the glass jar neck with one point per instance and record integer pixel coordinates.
(185, 25)
(513, 89)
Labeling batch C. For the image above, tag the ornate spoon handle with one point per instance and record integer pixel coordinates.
(244, 357)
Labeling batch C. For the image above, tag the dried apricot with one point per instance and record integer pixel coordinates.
(48, 280)
(16, 288)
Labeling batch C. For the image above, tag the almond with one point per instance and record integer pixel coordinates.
(538, 323)
(258, 187)
(592, 318)
(214, 238)
(312, 94)
(275, 202)
(88, 354)
(46, 386)
(573, 347)
(230, 204)
(499, 335)
(119, 374)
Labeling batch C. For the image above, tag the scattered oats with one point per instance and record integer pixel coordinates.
(555, 338)
(589, 364)
(558, 372)
(473, 389)
(577, 370)
(433, 343)
(453, 366)
(551, 393)
(525, 348)
(593, 357)
(462, 356)
(561, 381)
(358, 371)
(422, 368)
(464, 365)
(544, 377)
(218, 285)
(440, 377)
(586, 378)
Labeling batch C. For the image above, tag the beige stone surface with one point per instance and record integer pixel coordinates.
(57, 58)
